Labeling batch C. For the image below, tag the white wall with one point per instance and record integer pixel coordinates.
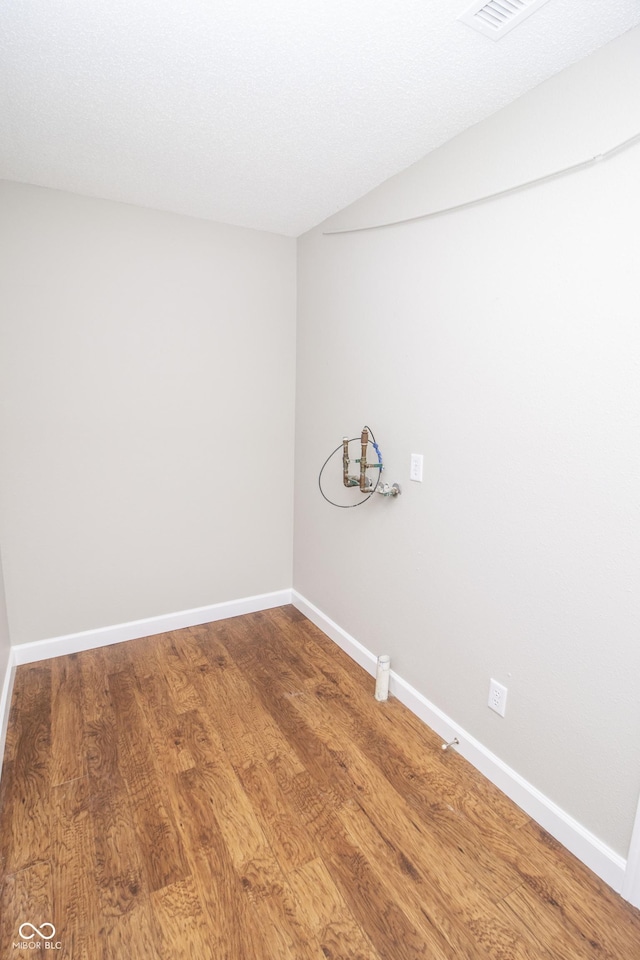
(503, 343)
(147, 371)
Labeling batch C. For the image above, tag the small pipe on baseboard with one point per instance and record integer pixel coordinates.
(382, 677)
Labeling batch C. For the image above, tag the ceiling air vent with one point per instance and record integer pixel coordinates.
(496, 17)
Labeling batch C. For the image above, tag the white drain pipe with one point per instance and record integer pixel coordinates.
(382, 678)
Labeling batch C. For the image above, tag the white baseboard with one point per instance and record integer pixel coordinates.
(5, 703)
(103, 636)
(631, 885)
(595, 854)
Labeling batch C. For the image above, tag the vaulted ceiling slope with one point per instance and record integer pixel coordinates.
(271, 114)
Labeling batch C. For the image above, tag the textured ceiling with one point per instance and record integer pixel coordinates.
(270, 114)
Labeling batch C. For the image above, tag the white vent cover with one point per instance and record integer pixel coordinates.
(494, 18)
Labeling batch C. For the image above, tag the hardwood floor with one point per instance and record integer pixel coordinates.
(234, 792)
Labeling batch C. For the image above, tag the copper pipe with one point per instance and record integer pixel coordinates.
(364, 441)
(345, 462)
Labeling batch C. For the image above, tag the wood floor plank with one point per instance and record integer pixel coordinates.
(371, 899)
(67, 762)
(159, 842)
(117, 656)
(284, 932)
(232, 930)
(6, 814)
(96, 698)
(180, 925)
(133, 934)
(221, 686)
(328, 915)
(190, 647)
(434, 906)
(26, 898)
(120, 876)
(278, 818)
(174, 673)
(200, 736)
(249, 740)
(99, 734)
(310, 748)
(521, 910)
(246, 731)
(225, 806)
(75, 897)
(13, 724)
(163, 723)
(24, 820)
(222, 796)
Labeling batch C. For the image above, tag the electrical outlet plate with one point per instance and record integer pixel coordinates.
(415, 472)
(497, 697)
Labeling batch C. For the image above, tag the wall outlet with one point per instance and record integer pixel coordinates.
(497, 697)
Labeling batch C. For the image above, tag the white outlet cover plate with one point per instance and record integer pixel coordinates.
(497, 697)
